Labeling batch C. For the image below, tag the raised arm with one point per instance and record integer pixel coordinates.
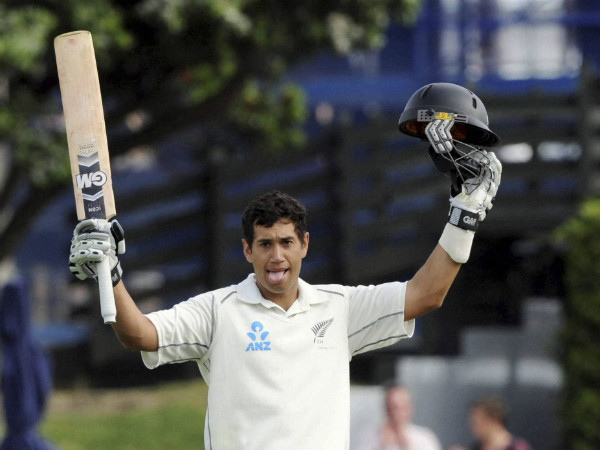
(475, 178)
(428, 287)
(93, 240)
(134, 330)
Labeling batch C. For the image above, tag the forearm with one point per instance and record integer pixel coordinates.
(93, 240)
(134, 330)
(427, 289)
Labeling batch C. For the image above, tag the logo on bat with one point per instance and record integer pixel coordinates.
(86, 180)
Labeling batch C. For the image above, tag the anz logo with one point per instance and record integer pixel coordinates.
(258, 338)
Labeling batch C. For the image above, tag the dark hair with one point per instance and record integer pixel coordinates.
(392, 384)
(271, 207)
(493, 406)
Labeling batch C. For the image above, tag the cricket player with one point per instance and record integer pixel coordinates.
(274, 350)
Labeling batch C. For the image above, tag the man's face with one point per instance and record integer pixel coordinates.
(399, 405)
(276, 254)
(479, 422)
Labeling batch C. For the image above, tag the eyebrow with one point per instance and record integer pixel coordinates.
(285, 238)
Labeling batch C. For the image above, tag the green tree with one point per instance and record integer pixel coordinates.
(580, 351)
(164, 65)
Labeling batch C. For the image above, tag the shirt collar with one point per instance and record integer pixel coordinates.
(247, 292)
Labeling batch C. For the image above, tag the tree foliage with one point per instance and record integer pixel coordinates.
(170, 65)
(580, 352)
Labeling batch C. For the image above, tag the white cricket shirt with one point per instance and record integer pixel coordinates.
(279, 379)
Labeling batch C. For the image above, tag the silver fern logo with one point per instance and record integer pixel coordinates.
(320, 328)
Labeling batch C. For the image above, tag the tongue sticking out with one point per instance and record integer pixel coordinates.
(275, 277)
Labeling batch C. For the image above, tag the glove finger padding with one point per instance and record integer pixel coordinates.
(113, 229)
(86, 255)
(496, 169)
(100, 242)
(83, 271)
(439, 136)
(455, 159)
(478, 193)
(447, 164)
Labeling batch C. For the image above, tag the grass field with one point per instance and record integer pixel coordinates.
(168, 416)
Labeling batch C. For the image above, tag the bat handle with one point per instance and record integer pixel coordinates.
(107, 298)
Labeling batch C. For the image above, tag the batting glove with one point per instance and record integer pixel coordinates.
(469, 207)
(93, 240)
(475, 176)
(471, 204)
(473, 190)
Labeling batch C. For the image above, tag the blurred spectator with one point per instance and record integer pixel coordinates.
(398, 432)
(487, 420)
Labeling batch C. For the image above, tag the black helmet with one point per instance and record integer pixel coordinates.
(471, 119)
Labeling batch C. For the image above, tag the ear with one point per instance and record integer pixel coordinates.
(247, 250)
(305, 244)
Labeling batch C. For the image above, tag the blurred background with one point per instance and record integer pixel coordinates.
(209, 103)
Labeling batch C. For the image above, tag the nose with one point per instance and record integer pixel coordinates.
(277, 254)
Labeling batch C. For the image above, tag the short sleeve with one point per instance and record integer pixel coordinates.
(184, 331)
(376, 316)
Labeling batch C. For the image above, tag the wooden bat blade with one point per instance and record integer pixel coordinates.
(87, 142)
(84, 123)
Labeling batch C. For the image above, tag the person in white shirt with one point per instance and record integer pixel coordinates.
(399, 432)
(273, 349)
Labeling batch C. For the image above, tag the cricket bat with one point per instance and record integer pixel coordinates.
(87, 142)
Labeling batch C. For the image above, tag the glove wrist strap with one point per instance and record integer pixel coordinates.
(116, 273)
(464, 219)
